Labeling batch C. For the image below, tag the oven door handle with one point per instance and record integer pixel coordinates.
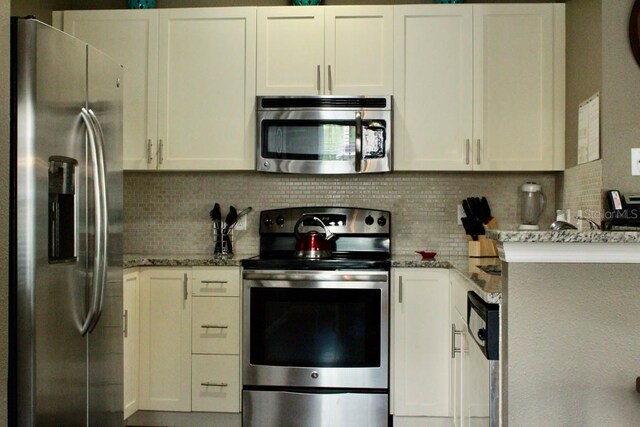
(317, 276)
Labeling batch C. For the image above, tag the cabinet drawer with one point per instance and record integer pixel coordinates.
(215, 383)
(216, 325)
(216, 281)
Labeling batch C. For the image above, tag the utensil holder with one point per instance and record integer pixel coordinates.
(222, 241)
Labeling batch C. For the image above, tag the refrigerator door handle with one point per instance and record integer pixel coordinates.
(102, 177)
(98, 234)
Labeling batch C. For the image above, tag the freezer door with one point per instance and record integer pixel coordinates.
(106, 341)
(49, 253)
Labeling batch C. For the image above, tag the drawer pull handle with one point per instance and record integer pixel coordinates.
(214, 384)
(215, 326)
(221, 282)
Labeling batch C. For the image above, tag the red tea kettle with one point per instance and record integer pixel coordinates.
(313, 244)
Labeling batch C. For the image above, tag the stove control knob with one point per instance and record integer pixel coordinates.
(280, 220)
(268, 221)
(368, 220)
(314, 375)
(482, 334)
(382, 221)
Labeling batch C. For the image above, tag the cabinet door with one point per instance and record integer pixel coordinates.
(513, 87)
(165, 340)
(216, 325)
(131, 352)
(433, 87)
(459, 398)
(207, 89)
(290, 51)
(131, 38)
(216, 383)
(359, 50)
(421, 344)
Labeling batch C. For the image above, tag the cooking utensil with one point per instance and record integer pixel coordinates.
(230, 221)
(215, 213)
(240, 215)
(313, 244)
(216, 217)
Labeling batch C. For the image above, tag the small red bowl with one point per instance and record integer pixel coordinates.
(427, 256)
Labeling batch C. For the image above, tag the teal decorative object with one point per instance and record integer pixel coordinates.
(141, 4)
(449, 1)
(306, 2)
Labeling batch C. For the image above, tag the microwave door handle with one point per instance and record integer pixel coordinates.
(358, 142)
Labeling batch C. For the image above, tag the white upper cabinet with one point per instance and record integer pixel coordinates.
(333, 50)
(513, 87)
(479, 87)
(290, 52)
(433, 87)
(359, 50)
(189, 82)
(207, 88)
(131, 38)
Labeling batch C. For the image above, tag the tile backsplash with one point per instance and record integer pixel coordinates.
(582, 189)
(168, 213)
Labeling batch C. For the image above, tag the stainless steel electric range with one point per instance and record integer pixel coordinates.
(316, 330)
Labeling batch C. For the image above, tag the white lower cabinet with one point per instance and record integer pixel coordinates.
(189, 343)
(165, 339)
(215, 383)
(421, 340)
(131, 344)
(460, 380)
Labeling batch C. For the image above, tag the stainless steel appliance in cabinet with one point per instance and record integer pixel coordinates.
(316, 331)
(65, 319)
(483, 365)
(324, 134)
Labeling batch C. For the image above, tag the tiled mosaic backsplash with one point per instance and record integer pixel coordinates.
(167, 213)
(582, 189)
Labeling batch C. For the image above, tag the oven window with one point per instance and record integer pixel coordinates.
(308, 140)
(315, 327)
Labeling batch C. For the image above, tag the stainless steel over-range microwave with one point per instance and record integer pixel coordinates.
(324, 134)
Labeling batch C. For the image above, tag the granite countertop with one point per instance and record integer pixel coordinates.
(564, 236)
(487, 286)
(205, 260)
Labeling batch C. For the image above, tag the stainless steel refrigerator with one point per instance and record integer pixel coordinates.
(66, 231)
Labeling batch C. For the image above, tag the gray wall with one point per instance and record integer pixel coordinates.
(620, 102)
(40, 8)
(584, 65)
(572, 354)
(4, 195)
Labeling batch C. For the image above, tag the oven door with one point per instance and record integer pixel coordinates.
(324, 141)
(316, 329)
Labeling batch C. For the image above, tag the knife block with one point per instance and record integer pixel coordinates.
(482, 248)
